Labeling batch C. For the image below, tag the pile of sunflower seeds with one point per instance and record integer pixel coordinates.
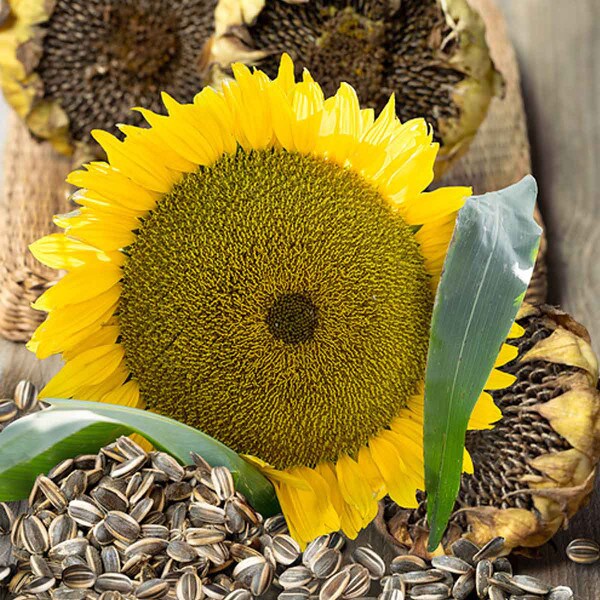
(127, 524)
(24, 402)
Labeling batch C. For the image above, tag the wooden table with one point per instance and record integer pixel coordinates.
(558, 43)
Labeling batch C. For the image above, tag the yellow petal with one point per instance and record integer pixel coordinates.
(507, 354)
(431, 206)
(499, 380)
(59, 251)
(127, 394)
(485, 413)
(354, 487)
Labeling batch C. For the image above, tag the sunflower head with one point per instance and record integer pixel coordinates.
(70, 67)
(431, 54)
(261, 264)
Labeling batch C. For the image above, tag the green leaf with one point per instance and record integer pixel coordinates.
(34, 444)
(487, 269)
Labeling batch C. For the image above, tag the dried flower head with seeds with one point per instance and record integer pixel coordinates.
(70, 66)
(261, 264)
(537, 466)
(431, 54)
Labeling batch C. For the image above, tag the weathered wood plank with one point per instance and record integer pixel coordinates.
(558, 46)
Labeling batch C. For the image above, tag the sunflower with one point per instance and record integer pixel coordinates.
(261, 264)
(431, 53)
(69, 67)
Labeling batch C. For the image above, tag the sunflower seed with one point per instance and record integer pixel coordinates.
(313, 548)
(562, 592)
(530, 584)
(369, 559)
(153, 588)
(115, 582)
(502, 565)
(39, 585)
(110, 498)
(181, 551)
(391, 595)
(128, 467)
(463, 586)
(110, 596)
(71, 547)
(583, 551)
(6, 518)
(122, 526)
(407, 564)
(393, 582)
(483, 572)
(451, 564)
(149, 546)
(326, 563)
(52, 492)
(215, 591)
(35, 535)
(491, 550)
(111, 559)
(217, 554)
(168, 465)
(93, 560)
(204, 536)
(294, 594)
(25, 395)
(178, 491)
(359, 583)
(8, 411)
(335, 586)
(101, 535)
(262, 579)
(79, 577)
(222, 481)
(202, 465)
(189, 587)
(505, 582)
(159, 531)
(141, 509)
(239, 595)
(275, 525)
(295, 577)
(129, 449)
(495, 593)
(239, 552)
(4, 573)
(285, 549)
(430, 576)
(202, 513)
(430, 591)
(85, 513)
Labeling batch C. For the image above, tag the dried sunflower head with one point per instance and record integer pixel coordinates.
(431, 53)
(69, 66)
(536, 467)
(262, 264)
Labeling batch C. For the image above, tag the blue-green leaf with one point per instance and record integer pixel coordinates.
(486, 273)
(34, 444)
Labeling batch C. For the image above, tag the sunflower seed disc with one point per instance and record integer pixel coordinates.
(562, 592)
(583, 551)
(335, 586)
(407, 564)
(79, 577)
(491, 550)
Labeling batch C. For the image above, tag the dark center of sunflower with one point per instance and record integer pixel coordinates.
(292, 318)
(276, 302)
(100, 58)
(351, 48)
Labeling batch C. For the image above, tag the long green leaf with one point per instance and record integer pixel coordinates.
(486, 273)
(35, 443)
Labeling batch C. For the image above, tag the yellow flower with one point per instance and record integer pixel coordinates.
(261, 264)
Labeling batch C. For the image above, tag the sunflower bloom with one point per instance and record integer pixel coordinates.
(261, 264)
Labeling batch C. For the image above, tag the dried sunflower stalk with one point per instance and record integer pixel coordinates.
(535, 469)
(70, 66)
(431, 53)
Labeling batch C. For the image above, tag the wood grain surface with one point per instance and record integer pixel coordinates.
(558, 46)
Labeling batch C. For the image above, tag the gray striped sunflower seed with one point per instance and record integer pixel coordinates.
(502, 565)
(189, 587)
(52, 492)
(583, 551)
(202, 513)
(451, 564)
(168, 465)
(222, 481)
(430, 591)
(300, 593)
(40, 585)
(181, 551)
(393, 582)
(495, 593)
(61, 529)
(465, 550)
(110, 596)
(275, 525)
(128, 467)
(122, 526)
(562, 592)
(151, 589)
(111, 559)
(313, 548)
(110, 498)
(113, 582)
(492, 549)
(262, 579)
(79, 577)
(239, 552)
(239, 595)
(128, 448)
(391, 595)
(530, 584)
(369, 559)
(61, 470)
(75, 484)
(201, 464)
(335, 586)
(295, 577)
(93, 560)
(142, 509)
(483, 572)
(326, 563)
(7, 518)
(463, 586)
(217, 554)
(71, 547)
(416, 577)
(8, 410)
(158, 531)
(149, 546)
(34, 535)
(204, 536)
(360, 581)
(505, 582)
(102, 535)
(285, 549)
(407, 564)
(85, 513)
(39, 566)
(25, 395)
(4, 573)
